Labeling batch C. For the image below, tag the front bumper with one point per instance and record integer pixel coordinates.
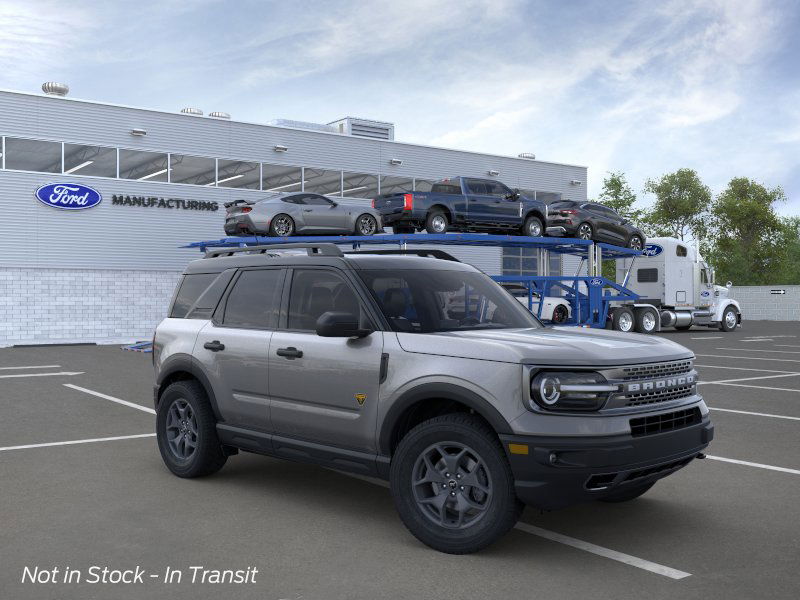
(588, 468)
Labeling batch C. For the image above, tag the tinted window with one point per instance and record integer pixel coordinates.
(294, 199)
(430, 301)
(188, 293)
(446, 188)
(476, 186)
(254, 299)
(315, 292)
(647, 275)
(495, 188)
(681, 251)
(315, 200)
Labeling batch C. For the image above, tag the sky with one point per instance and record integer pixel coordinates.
(639, 87)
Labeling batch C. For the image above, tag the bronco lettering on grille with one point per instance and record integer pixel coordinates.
(659, 384)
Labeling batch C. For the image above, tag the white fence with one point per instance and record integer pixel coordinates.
(768, 302)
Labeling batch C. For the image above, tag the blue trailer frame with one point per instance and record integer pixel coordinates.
(589, 296)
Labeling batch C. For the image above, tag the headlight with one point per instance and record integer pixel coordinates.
(567, 390)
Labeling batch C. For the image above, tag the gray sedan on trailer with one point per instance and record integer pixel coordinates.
(287, 214)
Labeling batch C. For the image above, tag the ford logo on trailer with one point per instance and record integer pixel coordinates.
(596, 281)
(652, 250)
(68, 196)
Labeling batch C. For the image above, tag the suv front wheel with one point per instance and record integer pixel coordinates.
(186, 431)
(452, 484)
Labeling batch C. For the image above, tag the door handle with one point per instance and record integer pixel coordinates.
(308, 210)
(214, 346)
(290, 352)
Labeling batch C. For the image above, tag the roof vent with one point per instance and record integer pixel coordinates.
(219, 115)
(302, 125)
(527, 155)
(51, 88)
(192, 111)
(377, 130)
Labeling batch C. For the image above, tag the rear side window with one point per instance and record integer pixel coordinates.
(191, 287)
(446, 188)
(647, 275)
(254, 300)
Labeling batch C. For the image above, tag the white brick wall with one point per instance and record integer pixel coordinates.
(47, 306)
(758, 303)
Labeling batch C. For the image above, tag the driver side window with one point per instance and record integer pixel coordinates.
(317, 200)
(315, 292)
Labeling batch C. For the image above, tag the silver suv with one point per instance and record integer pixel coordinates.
(421, 371)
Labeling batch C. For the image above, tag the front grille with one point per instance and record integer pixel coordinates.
(676, 393)
(665, 422)
(678, 367)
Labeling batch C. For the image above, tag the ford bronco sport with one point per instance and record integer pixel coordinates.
(421, 371)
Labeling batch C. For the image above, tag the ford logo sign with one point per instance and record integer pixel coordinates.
(652, 250)
(68, 196)
(705, 294)
(596, 281)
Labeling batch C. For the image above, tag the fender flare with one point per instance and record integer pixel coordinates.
(729, 302)
(445, 391)
(185, 363)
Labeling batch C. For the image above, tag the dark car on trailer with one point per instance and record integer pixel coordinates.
(464, 204)
(593, 221)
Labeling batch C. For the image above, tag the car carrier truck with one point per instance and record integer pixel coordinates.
(676, 288)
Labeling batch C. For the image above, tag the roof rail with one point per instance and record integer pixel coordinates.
(321, 249)
(424, 252)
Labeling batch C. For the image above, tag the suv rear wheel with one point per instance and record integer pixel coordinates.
(186, 431)
(452, 484)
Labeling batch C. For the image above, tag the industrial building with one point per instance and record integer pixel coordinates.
(106, 273)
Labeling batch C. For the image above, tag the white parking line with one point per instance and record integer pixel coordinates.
(569, 541)
(787, 345)
(758, 387)
(708, 337)
(755, 414)
(742, 369)
(15, 375)
(748, 358)
(31, 367)
(735, 380)
(758, 340)
(752, 350)
(112, 398)
(752, 464)
(71, 442)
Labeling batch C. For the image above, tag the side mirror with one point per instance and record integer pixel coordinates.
(334, 204)
(340, 324)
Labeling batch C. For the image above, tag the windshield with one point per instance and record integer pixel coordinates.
(432, 301)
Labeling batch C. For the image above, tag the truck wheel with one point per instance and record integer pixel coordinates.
(645, 321)
(729, 319)
(584, 231)
(628, 494)
(186, 431)
(281, 226)
(533, 227)
(452, 484)
(436, 222)
(635, 242)
(560, 313)
(623, 320)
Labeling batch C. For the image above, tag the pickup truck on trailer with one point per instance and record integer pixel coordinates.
(463, 204)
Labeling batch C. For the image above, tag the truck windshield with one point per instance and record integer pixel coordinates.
(433, 301)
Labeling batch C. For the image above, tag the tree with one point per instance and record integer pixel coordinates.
(681, 205)
(750, 242)
(618, 195)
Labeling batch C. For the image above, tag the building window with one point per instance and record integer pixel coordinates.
(359, 185)
(194, 170)
(33, 155)
(279, 178)
(238, 174)
(96, 161)
(396, 185)
(144, 166)
(525, 261)
(321, 181)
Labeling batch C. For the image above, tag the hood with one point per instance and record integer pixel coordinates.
(720, 291)
(572, 346)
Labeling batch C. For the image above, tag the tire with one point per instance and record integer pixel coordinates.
(635, 242)
(623, 320)
(560, 313)
(403, 229)
(627, 494)
(645, 321)
(486, 511)
(184, 408)
(729, 319)
(436, 222)
(533, 227)
(282, 225)
(584, 232)
(366, 225)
